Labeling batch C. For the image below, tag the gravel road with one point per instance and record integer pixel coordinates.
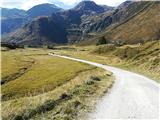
(133, 96)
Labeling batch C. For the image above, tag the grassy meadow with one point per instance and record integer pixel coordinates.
(34, 84)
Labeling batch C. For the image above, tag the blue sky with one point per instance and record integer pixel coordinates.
(26, 4)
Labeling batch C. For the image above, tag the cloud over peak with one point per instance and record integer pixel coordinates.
(26, 4)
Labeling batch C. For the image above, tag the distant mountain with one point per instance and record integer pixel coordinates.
(10, 24)
(89, 7)
(13, 13)
(65, 22)
(130, 22)
(13, 19)
(43, 10)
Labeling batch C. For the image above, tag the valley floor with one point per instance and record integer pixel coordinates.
(36, 85)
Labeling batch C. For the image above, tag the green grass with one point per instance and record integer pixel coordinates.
(48, 85)
(12, 62)
(45, 74)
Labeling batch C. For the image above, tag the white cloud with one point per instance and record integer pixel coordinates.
(69, 2)
(65, 3)
(10, 4)
(109, 2)
(30, 3)
(26, 4)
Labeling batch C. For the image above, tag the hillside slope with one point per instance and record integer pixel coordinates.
(142, 27)
(41, 31)
(144, 58)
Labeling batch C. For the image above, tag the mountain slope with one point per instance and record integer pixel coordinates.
(41, 31)
(128, 10)
(81, 17)
(142, 26)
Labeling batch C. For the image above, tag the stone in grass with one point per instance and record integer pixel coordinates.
(95, 78)
(64, 96)
(76, 103)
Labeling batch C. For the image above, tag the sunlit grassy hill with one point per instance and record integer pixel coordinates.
(145, 26)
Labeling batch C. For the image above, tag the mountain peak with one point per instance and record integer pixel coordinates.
(43, 9)
(89, 6)
(125, 4)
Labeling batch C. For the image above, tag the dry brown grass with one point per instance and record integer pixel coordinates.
(143, 27)
(26, 105)
(45, 74)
